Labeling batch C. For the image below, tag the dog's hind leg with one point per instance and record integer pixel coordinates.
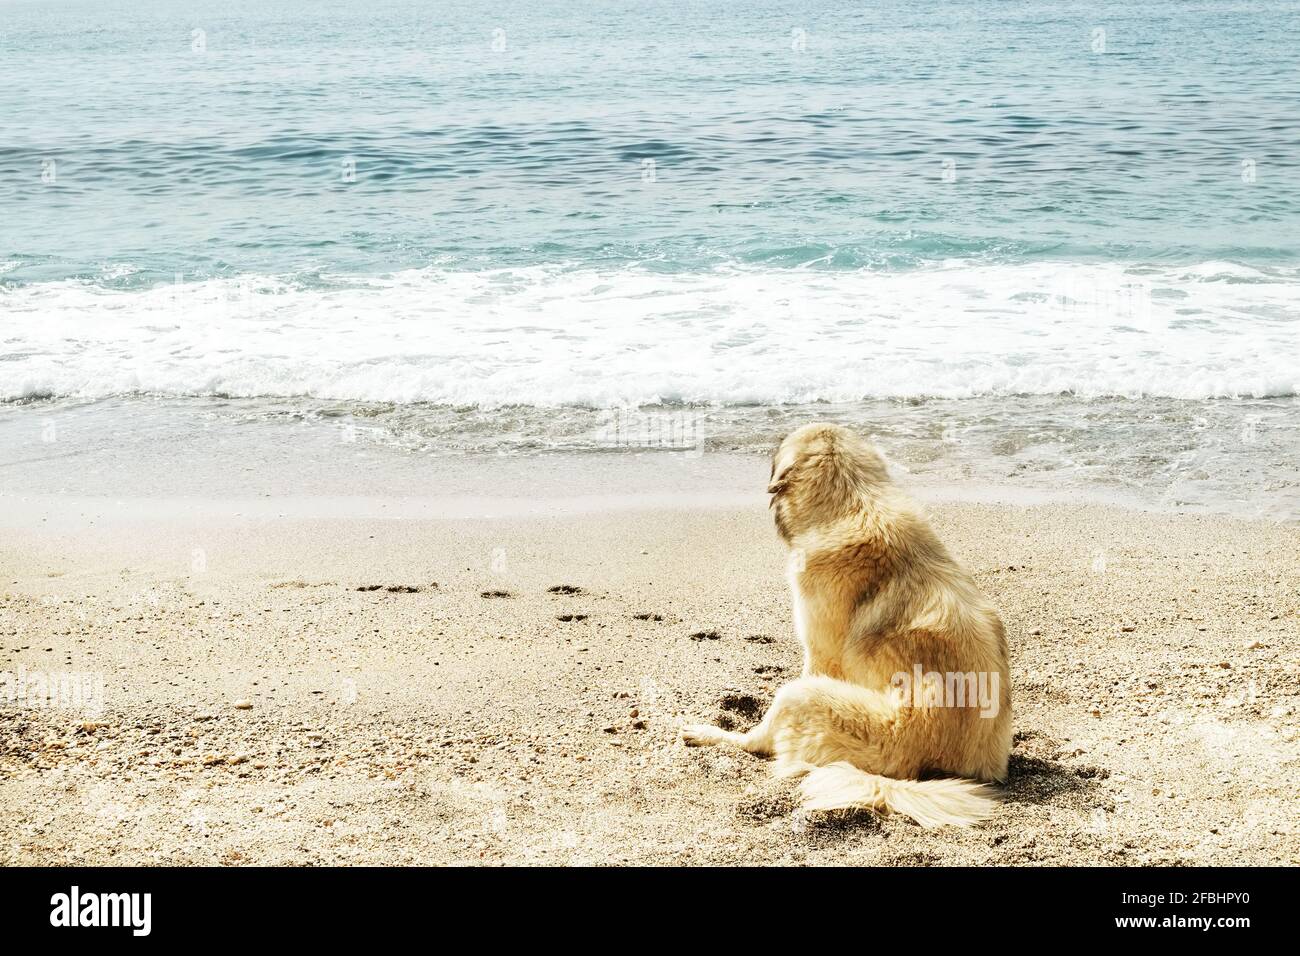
(759, 740)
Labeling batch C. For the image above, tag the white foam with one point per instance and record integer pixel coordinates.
(554, 336)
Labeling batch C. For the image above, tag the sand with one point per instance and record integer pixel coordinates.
(396, 682)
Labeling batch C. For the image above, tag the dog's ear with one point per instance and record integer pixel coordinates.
(780, 482)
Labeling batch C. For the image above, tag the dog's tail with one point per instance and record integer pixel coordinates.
(931, 803)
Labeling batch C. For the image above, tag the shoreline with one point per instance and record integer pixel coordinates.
(33, 511)
(292, 473)
(1234, 458)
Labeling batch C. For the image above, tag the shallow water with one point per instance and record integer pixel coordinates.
(1238, 458)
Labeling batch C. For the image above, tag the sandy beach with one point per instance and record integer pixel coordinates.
(481, 680)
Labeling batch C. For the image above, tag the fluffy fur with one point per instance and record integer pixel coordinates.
(877, 595)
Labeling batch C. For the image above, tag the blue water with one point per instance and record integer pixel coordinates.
(1067, 232)
(231, 160)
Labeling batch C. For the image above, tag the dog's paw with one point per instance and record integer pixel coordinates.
(700, 735)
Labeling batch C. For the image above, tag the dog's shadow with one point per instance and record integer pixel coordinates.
(1036, 774)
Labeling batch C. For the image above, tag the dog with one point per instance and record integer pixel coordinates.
(897, 641)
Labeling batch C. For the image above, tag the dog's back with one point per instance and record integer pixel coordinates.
(881, 603)
(906, 672)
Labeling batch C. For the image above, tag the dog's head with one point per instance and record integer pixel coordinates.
(821, 472)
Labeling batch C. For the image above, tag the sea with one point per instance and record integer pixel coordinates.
(1043, 245)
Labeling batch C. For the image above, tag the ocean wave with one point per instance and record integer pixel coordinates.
(573, 336)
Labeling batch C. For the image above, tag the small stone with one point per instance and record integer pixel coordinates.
(243, 704)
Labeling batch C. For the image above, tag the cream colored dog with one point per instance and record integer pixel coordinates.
(905, 662)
